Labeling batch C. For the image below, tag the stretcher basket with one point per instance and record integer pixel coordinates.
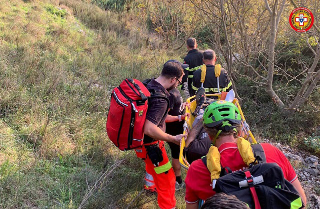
(189, 120)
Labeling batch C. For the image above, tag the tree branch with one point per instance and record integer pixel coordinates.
(206, 13)
(280, 12)
(300, 99)
(315, 61)
(99, 182)
(250, 66)
(310, 47)
(267, 6)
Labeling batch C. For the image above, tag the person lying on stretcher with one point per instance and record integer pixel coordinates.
(198, 141)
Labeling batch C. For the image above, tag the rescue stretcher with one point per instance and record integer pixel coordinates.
(228, 96)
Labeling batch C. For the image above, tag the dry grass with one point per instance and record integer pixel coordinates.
(59, 60)
(56, 76)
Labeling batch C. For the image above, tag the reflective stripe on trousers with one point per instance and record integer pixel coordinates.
(165, 182)
(148, 180)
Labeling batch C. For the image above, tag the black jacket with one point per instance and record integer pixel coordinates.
(194, 60)
(210, 83)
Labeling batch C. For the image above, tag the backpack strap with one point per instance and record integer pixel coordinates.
(259, 153)
(217, 72)
(203, 74)
(204, 160)
(143, 97)
(159, 94)
(251, 153)
(252, 189)
(145, 82)
(224, 170)
(154, 93)
(245, 151)
(212, 162)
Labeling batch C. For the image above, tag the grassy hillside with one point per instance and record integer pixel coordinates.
(58, 65)
(59, 60)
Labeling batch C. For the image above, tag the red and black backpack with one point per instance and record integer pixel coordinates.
(127, 113)
(261, 186)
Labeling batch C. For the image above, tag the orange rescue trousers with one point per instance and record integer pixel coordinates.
(163, 175)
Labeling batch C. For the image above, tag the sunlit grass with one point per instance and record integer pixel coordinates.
(59, 61)
(57, 71)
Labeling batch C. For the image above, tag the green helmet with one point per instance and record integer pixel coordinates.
(221, 114)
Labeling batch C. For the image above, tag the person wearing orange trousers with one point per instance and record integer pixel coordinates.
(153, 151)
(163, 175)
(164, 179)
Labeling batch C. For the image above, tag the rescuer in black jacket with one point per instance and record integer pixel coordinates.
(210, 84)
(194, 59)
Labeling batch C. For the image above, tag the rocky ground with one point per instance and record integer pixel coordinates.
(308, 169)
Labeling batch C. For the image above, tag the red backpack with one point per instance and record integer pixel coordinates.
(127, 114)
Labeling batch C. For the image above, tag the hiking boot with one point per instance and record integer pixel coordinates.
(200, 99)
(180, 186)
(150, 189)
(200, 96)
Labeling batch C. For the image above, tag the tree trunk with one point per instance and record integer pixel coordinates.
(275, 98)
(228, 57)
(309, 84)
(300, 99)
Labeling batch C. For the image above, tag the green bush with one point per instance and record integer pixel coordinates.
(292, 56)
(268, 121)
(312, 144)
(117, 5)
(62, 13)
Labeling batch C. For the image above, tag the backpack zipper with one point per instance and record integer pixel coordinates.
(118, 100)
(132, 88)
(123, 105)
(133, 110)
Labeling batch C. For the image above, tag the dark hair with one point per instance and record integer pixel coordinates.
(172, 69)
(191, 42)
(224, 201)
(209, 54)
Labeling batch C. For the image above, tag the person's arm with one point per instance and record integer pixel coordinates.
(287, 169)
(192, 206)
(297, 185)
(171, 118)
(156, 133)
(191, 196)
(194, 132)
(228, 81)
(186, 72)
(195, 79)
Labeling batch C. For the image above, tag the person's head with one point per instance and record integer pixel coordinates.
(224, 201)
(172, 73)
(191, 43)
(222, 118)
(209, 57)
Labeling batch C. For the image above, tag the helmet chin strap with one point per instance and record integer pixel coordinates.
(215, 138)
(224, 124)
